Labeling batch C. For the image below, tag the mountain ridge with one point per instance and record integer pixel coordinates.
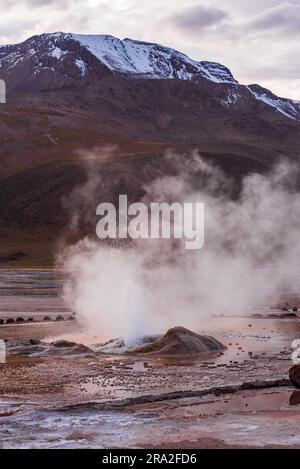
(55, 60)
(127, 56)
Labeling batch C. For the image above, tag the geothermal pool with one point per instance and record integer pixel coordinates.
(60, 396)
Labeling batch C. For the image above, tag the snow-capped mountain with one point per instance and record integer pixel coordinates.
(59, 60)
(129, 57)
(128, 102)
(288, 107)
(150, 60)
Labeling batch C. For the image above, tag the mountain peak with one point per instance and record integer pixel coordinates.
(149, 59)
(128, 56)
(55, 60)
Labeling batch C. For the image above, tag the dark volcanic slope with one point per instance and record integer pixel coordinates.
(68, 92)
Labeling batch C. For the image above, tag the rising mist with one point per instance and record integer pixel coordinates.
(251, 248)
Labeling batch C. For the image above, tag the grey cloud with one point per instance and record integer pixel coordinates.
(46, 3)
(10, 32)
(11, 4)
(198, 17)
(284, 16)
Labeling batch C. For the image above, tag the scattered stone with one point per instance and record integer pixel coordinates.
(294, 375)
(34, 341)
(20, 320)
(295, 398)
(9, 321)
(36, 348)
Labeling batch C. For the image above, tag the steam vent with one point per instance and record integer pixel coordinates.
(180, 341)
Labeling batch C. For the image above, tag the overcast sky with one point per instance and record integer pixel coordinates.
(257, 39)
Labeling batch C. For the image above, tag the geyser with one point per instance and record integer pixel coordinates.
(176, 341)
(179, 341)
(252, 247)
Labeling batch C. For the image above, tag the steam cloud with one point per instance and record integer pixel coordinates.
(250, 255)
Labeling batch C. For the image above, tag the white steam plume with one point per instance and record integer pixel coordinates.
(252, 246)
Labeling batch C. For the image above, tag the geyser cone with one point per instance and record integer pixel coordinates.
(179, 341)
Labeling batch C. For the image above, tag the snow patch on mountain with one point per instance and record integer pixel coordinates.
(81, 65)
(231, 98)
(151, 60)
(286, 107)
(57, 53)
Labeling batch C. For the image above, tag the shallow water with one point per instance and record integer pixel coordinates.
(257, 349)
(31, 291)
(32, 282)
(252, 414)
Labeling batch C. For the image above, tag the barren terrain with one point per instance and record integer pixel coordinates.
(61, 396)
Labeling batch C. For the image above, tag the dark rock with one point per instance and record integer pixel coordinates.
(24, 347)
(294, 398)
(294, 374)
(9, 321)
(70, 346)
(36, 348)
(64, 343)
(34, 341)
(20, 320)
